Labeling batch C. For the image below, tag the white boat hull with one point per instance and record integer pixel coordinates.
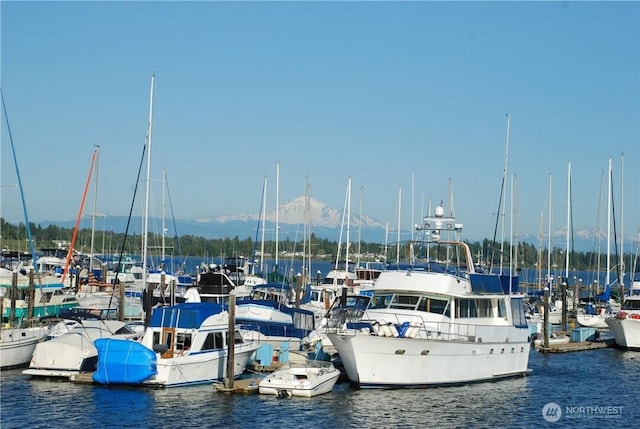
(626, 332)
(73, 352)
(300, 381)
(389, 362)
(200, 368)
(597, 321)
(17, 345)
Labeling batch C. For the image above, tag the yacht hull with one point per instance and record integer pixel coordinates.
(381, 362)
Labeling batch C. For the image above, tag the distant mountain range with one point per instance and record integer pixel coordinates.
(325, 222)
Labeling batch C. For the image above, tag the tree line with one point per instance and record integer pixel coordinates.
(487, 252)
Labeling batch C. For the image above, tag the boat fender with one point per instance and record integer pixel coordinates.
(394, 330)
(414, 329)
(384, 328)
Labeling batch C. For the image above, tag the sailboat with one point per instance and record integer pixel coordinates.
(625, 325)
(17, 339)
(595, 314)
(343, 272)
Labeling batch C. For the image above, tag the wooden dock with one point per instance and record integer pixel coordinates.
(83, 377)
(256, 367)
(576, 346)
(244, 386)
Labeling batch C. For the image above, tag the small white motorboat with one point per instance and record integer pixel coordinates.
(308, 379)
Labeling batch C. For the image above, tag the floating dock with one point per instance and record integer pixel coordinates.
(83, 377)
(245, 386)
(576, 346)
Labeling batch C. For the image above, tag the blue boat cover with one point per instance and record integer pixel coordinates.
(485, 283)
(123, 362)
(606, 295)
(189, 315)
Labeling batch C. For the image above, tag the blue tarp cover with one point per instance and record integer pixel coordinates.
(123, 362)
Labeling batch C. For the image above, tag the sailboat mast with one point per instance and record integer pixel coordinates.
(264, 212)
(511, 247)
(95, 199)
(398, 239)
(608, 224)
(549, 240)
(569, 226)
(306, 240)
(145, 220)
(164, 229)
(24, 205)
(504, 180)
(360, 228)
(277, 209)
(413, 197)
(540, 236)
(621, 264)
(348, 225)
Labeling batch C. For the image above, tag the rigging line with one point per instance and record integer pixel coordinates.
(571, 218)
(615, 236)
(504, 179)
(80, 210)
(255, 243)
(173, 217)
(24, 205)
(135, 191)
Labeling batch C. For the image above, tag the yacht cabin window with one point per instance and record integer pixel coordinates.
(411, 302)
(213, 341)
(517, 313)
(476, 307)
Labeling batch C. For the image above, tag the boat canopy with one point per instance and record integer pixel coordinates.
(186, 315)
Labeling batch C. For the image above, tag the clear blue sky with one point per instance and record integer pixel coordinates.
(380, 91)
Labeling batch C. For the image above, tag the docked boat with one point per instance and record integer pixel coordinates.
(594, 317)
(17, 345)
(625, 325)
(50, 296)
(594, 314)
(74, 352)
(312, 378)
(267, 315)
(184, 344)
(438, 322)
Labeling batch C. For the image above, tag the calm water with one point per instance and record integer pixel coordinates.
(578, 382)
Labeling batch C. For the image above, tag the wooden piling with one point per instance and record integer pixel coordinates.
(231, 342)
(545, 319)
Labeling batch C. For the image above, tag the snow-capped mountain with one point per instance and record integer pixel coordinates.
(294, 212)
(327, 222)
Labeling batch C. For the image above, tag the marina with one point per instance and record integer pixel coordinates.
(184, 306)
